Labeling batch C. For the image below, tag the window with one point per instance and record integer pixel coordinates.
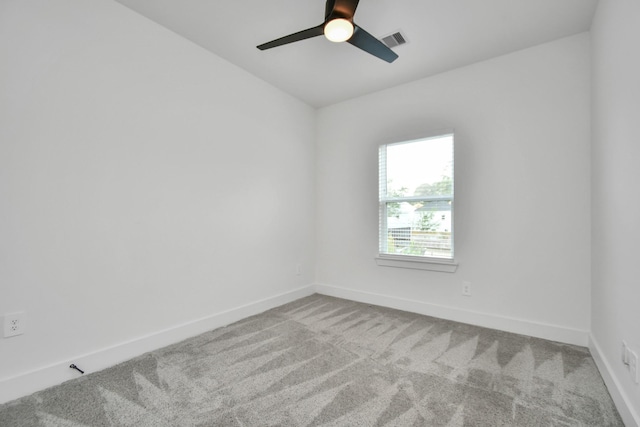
(416, 200)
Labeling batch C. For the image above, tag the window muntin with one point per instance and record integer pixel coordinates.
(416, 198)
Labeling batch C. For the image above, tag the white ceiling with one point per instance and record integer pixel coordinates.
(442, 35)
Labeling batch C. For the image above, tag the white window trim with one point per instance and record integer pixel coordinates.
(444, 265)
(417, 262)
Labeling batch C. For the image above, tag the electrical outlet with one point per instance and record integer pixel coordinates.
(13, 324)
(625, 353)
(633, 366)
(466, 289)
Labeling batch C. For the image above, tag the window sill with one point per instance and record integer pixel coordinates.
(419, 263)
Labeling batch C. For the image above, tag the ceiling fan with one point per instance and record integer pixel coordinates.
(338, 26)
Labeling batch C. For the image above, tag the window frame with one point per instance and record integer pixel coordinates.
(420, 262)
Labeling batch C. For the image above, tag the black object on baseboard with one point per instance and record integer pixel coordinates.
(72, 366)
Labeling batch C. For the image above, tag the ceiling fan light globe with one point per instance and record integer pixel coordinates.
(338, 30)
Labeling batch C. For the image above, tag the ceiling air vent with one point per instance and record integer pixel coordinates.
(395, 39)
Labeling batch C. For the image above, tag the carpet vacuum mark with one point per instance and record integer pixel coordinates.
(323, 361)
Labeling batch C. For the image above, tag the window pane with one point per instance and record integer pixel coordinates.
(414, 231)
(420, 168)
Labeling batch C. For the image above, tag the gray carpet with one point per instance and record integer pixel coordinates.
(322, 361)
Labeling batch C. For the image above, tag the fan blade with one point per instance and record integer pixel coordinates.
(341, 8)
(295, 37)
(365, 41)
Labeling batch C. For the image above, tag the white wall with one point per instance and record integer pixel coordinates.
(522, 151)
(144, 184)
(615, 312)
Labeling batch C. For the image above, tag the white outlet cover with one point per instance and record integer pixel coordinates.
(466, 288)
(14, 324)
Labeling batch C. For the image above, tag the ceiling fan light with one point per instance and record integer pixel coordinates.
(338, 30)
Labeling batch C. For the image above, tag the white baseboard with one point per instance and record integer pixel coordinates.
(503, 323)
(623, 402)
(56, 373)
